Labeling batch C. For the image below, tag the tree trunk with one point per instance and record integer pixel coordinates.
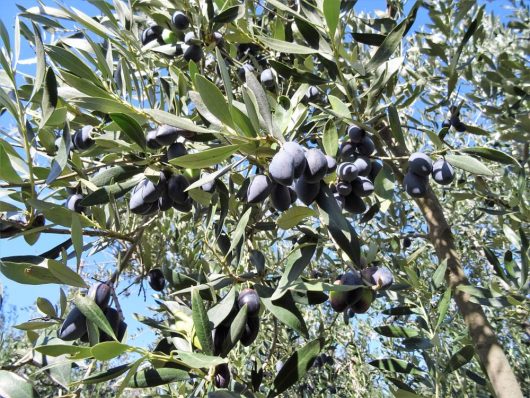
(491, 355)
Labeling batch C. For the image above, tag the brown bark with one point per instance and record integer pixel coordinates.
(487, 347)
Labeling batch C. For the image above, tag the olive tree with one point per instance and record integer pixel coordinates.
(322, 201)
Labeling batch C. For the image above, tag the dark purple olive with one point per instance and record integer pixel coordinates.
(156, 279)
(251, 299)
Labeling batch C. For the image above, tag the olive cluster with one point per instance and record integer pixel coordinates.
(420, 166)
(192, 48)
(75, 324)
(359, 299)
(294, 173)
(357, 172)
(221, 333)
(148, 197)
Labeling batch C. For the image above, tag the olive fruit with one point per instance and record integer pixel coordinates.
(251, 331)
(281, 168)
(267, 78)
(241, 71)
(307, 192)
(166, 135)
(151, 33)
(251, 299)
(222, 376)
(415, 185)
(176, 186)
(363, 164)
(442, 172)
(297, 153)
(379, 277)
(362, 186)
(259, 188)
(176, 150)
(311, 94)
(347, 150)
(101, 294)
(366, 146)
(193, 53)
(180, 20)
(113, 317)
(364, 302)
(317, 165)
(353, 204)
(150, 140)
(189, 38)
(347, 171)
(156, 279)
(356, 134)
(420, 164)
(375, 168)
(280, 197)
(74, 326)
(332, 164)
(73, 203)
(82, 139)
(343, 188)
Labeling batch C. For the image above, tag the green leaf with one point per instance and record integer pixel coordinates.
(46, 307)
(239, 232)
(14, 386)
(339, 107)
(298, 75)
(130, 127)
(439, 274)
(28, 270)
(470, 164)
(206, 158)
(396, 331)
(49, 96)
(214, 100)
(197, 360)
(339, 228)
(294, 216)
(330, 138)
(491, 154)
(34, 325)
(296, 263)
(372, 39)
(396, 365)
(72, 63)
(331, 10)
(263, 104)
(460, 358)
(114, 174)
(454, 61)
(283, 309)
(106, 375)
(164, 117)
(286, 46)
(7, 171)
(443, 306)
(41, 61)
(201, 322)
(104, 194)
(220, 312)
(237, 327)
(65, 274)
(221, 63)
(108, 350)
(94, 314)
(395, 125)
(152, 377)
(392, 41)
(492, 258)
(230, 14)
(296, 367)
(56, 350)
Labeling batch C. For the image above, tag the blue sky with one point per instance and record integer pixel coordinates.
(23, 297)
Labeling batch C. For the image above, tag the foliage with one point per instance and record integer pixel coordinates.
(331, 68)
